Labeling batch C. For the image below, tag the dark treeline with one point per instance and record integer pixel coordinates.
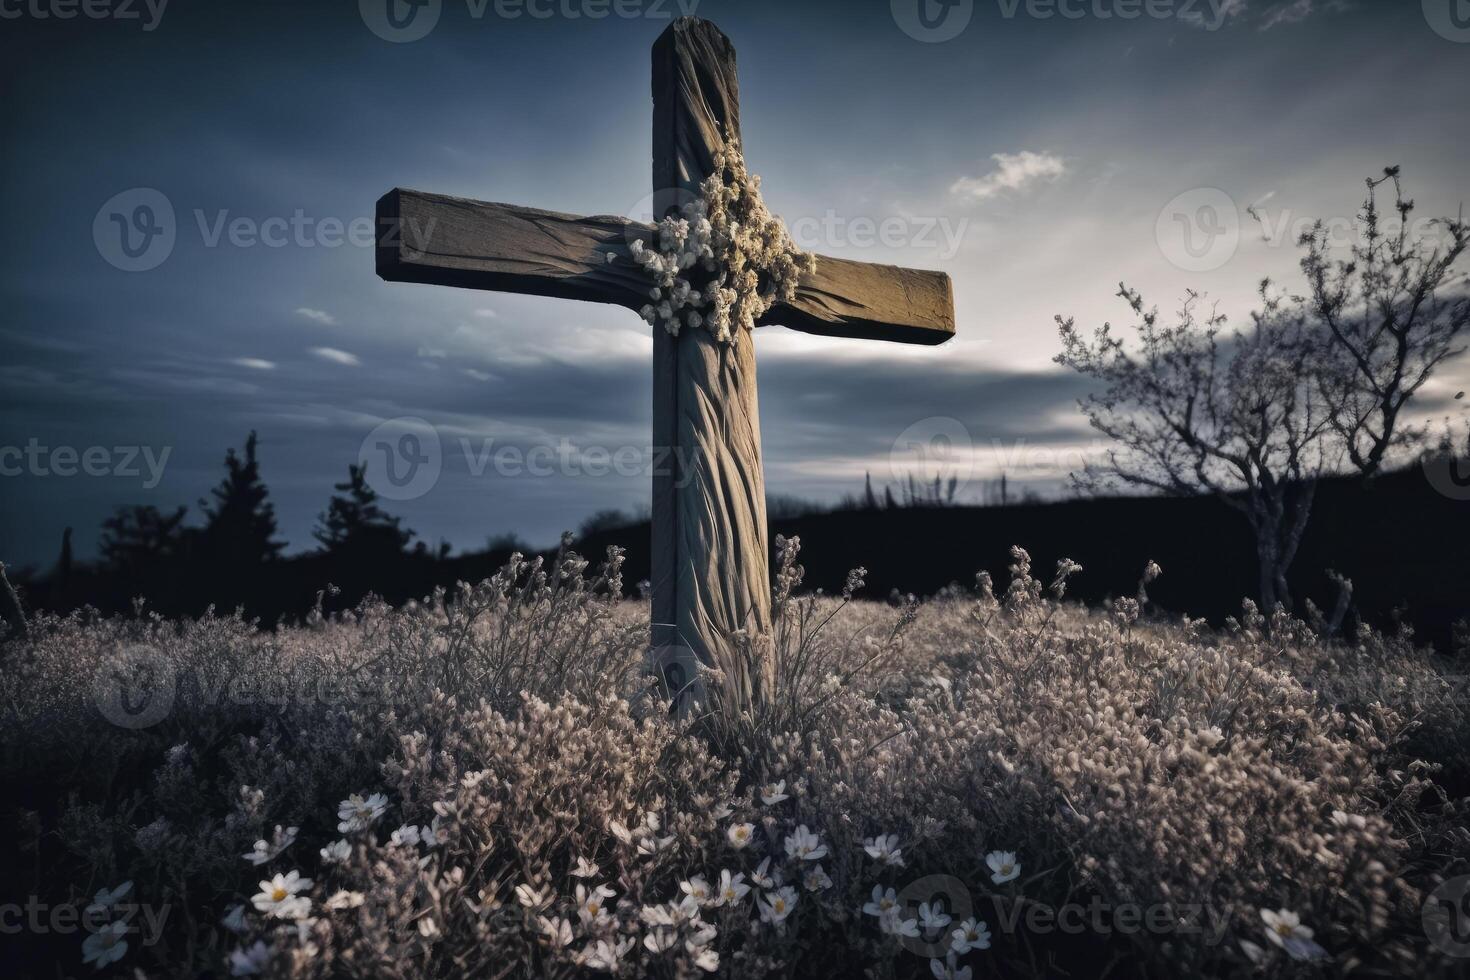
(1397, 538)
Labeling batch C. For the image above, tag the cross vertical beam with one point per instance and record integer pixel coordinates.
(709, 560)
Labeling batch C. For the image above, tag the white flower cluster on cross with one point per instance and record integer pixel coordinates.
(748, 260)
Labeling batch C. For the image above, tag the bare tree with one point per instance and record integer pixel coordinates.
(1190, 415)
(1391, 313)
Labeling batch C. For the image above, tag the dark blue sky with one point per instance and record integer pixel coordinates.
(1037, 159)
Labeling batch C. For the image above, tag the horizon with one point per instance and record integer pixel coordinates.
(1037, 160)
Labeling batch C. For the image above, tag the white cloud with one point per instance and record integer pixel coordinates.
(1014, 172)
(437, 353)
(320, 316)
(478, 375)
(336, 356)
(486, 314)
(254, 363)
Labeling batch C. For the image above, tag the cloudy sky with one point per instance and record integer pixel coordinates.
(1039, 152)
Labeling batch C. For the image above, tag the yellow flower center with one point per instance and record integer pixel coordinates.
(779, 905)
(1282, 929)
(1005, 869)
(593, 907)
(278, 894)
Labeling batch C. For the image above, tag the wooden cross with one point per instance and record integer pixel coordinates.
(710, 572)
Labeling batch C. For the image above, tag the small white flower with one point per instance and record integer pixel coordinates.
(1285, 929)
(696, 888)
(1003, 866)
(584, 869)
(722, 811)
(894, 924)
(760, 877)
(532, 897)
(592, 903)
(344, 899)
(660, 940)
(972, 934)
(816, 880)
(777, 905)
(558, 931)
(407, 835)
(250, 960)
(803, 845)
(739, 835)
(732, 888)
(266, 851)
(106, 945)
(359, 813)
(336, 852)
(949, 969)
(106, 898)
(611, 257)
(234, 919)
(604, 956)
(932, 916)
(773, 793)
(885, 850)
(278, 897)
(883, 902)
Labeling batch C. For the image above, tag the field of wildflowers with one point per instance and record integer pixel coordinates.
(993, 784)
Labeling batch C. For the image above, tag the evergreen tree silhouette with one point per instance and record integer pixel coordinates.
(355, 525)
(141, 539)
(240, 525)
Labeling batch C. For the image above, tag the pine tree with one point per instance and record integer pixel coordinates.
(240, 526)
(355, 524)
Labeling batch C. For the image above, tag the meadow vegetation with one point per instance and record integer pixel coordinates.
(488, 784)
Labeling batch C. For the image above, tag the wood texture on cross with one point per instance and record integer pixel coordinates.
(453, 241)
(710, 572)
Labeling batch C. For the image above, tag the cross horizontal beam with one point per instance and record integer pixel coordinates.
(453, 241)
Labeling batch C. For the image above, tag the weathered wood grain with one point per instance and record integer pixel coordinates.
(453, 241)
(709, 561)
